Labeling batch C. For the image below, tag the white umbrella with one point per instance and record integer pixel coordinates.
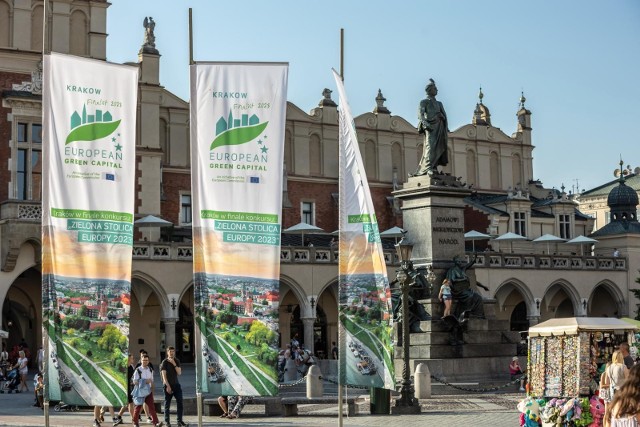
(582, 240)
(152, 221)
(509, 237)
(394, 232)
(548, 238)
(302, 228)
(474, 235)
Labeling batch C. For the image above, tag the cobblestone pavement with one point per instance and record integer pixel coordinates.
(491, 410)
(442, 411)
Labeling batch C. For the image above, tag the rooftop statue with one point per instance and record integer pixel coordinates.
(149, 37)
(432, 122)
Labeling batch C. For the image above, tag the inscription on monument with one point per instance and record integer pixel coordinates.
(450, 226)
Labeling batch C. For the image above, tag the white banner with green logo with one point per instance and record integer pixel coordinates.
(366, 348)
(89, 123)
(237, 143)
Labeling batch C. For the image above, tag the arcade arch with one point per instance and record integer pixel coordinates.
(514, 303)
(149, 302)
(314, 326)
(560, 299)
(184, 327)
(606, 301)
(22, 311)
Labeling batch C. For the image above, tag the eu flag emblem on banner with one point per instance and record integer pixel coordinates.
(110, 177)
(254, 180)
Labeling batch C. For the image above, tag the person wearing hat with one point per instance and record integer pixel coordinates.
(515, 370)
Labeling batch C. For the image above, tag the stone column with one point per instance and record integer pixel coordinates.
(308, 332)
(533, 320)
(169, 331)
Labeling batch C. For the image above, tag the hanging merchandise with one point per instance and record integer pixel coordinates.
(566, 355)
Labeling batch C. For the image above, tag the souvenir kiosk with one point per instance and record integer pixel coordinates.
(565, 353)
(564, 357)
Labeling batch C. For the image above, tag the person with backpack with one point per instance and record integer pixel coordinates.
(143, 352)
(144, 375)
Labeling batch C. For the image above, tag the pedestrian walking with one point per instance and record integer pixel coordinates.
(129, 407)
(170, 370)
(23, 369)
(144, 373)
(144, 352)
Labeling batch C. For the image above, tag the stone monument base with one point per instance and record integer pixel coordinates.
(484, 355)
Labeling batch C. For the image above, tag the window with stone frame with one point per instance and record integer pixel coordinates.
(520, 223)
(307, 212)
(27, 160)
(564, 221)
(185, 209)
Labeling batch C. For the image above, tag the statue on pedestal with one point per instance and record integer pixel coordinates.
(149, 41)
(149, 38)
(468, 303)
(419, 289)
(432, 122)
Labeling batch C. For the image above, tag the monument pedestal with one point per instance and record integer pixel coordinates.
(433, 215)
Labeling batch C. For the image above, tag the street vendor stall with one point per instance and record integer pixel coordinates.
(564, 357)
(565, 353)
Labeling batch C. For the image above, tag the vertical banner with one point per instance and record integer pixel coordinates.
(237, 143)
(366, 348)
(89, 122)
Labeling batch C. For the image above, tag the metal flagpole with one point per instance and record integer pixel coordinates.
(190, 36)
(45, 329)
(197, 341)
(342, 54)
(340, 327)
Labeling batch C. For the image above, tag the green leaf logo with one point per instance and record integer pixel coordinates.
(92, 131)
(239, 135)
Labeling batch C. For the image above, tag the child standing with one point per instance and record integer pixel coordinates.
(40, 391)
(445, 296)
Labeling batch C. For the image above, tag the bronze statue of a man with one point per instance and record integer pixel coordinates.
(433, 124)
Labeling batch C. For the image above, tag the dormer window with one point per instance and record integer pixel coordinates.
(564, 221)
(520, 223)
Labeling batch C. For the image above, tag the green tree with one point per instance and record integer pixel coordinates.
(374, 313)
(257, 333)
(110, 338)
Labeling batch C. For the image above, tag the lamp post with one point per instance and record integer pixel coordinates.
(407, 404)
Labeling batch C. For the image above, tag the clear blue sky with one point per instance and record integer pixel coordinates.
(578, 62)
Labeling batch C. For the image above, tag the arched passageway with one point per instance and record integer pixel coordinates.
(22, 312)
(146, 314)
(603, 302)
(560, 300)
